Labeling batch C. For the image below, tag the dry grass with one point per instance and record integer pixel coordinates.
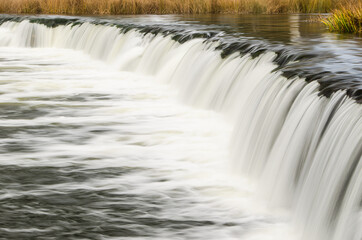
(101, 7)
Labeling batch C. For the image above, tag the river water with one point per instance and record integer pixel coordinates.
(92, 153)
(128, 140)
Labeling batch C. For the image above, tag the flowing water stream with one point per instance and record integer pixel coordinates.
(179, 127)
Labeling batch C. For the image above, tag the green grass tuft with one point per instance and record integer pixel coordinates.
(345, 20)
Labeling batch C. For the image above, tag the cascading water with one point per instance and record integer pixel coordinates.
(302, 149)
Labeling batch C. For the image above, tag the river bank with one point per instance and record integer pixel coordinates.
(346, 15)
(118, 7)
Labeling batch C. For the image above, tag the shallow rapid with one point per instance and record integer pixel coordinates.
(91, 152)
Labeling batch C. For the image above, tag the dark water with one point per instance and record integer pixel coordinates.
(334, 59)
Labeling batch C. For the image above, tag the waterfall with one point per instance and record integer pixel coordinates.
(302, 149)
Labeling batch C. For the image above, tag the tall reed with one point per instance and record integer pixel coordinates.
(101, 7)
(347, 19)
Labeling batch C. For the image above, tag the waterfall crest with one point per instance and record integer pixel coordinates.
(303, 149)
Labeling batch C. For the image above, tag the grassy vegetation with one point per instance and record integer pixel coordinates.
(90, 7)
(347, 19)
